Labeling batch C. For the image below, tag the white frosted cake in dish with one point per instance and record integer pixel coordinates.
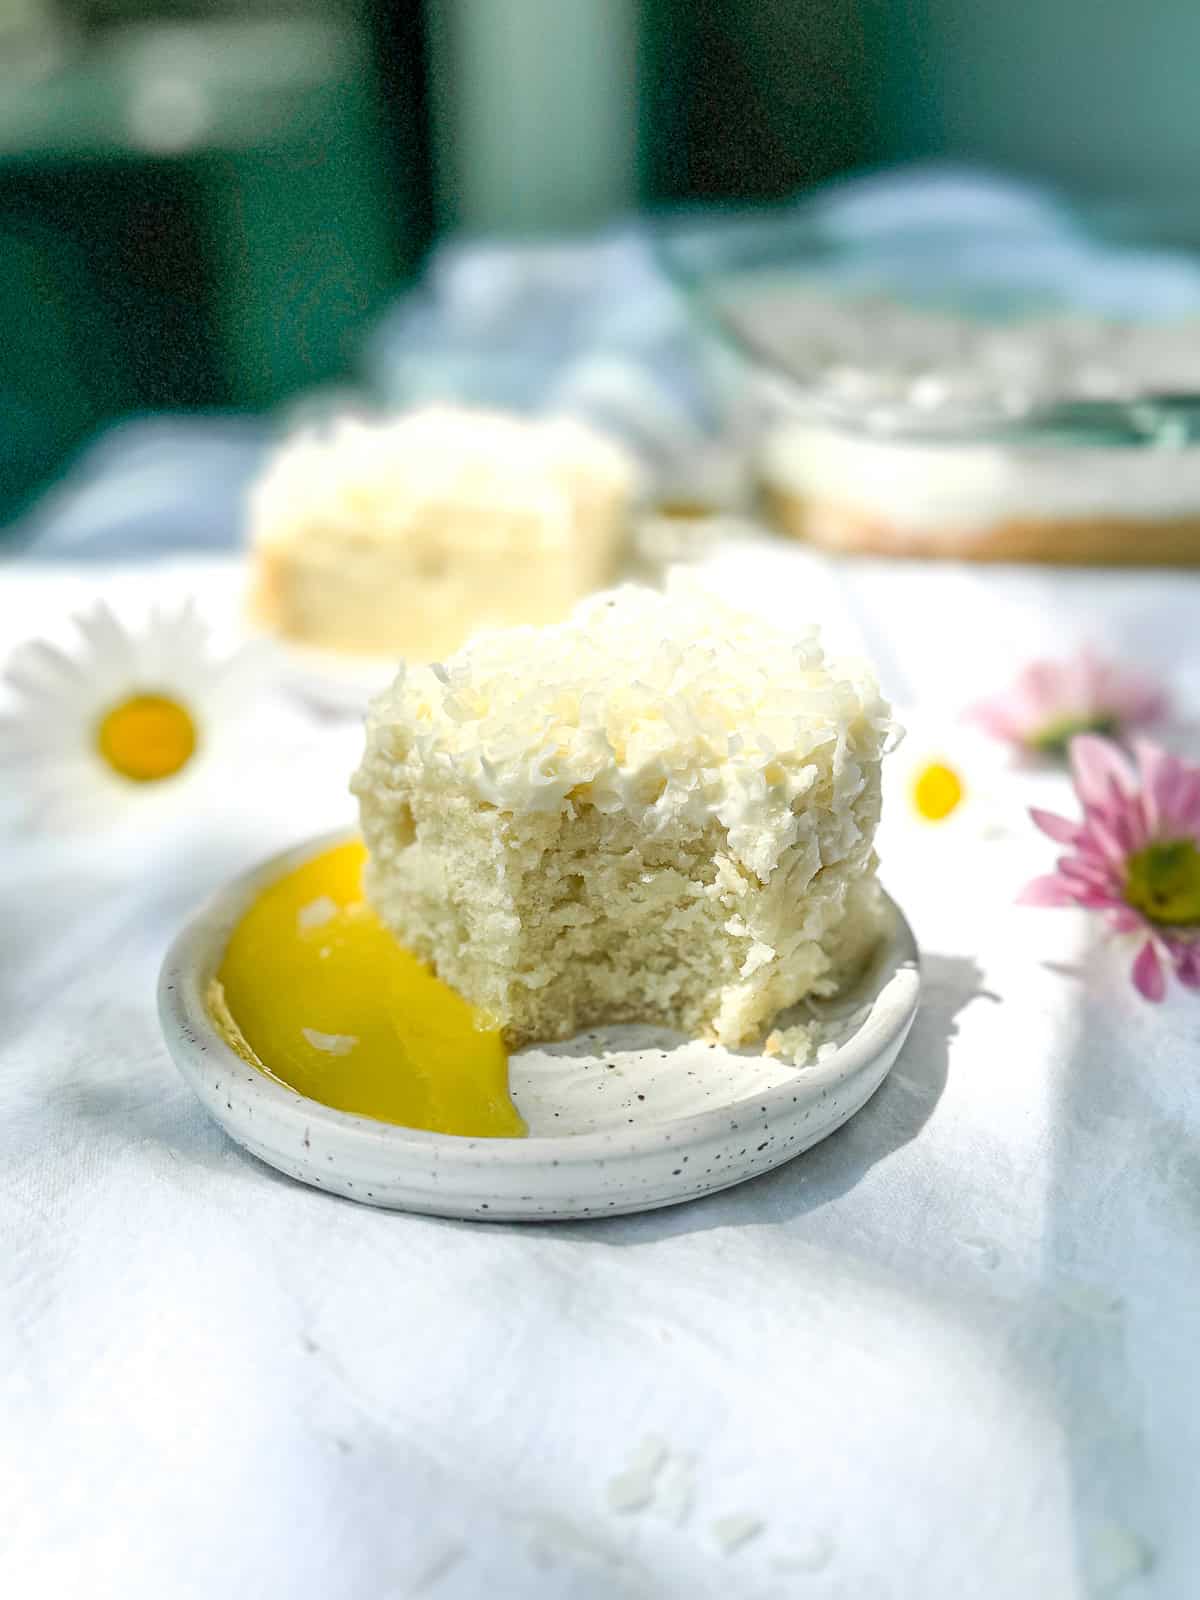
(902, 429)
(659, 810)
(1019, 502)
(403, 537)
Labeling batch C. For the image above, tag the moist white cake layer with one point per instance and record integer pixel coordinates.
(661, 810)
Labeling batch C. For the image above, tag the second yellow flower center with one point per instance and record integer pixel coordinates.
(147, 737)
(937, 791)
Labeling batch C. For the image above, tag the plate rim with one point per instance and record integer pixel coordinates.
(189, 1031)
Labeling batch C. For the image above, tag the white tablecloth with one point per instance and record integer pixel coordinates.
(951, 1352)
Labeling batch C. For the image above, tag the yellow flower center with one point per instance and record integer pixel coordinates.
(1163, 882)
(147, 737)
(937, 791)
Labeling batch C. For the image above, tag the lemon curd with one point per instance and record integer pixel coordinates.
(321, 997)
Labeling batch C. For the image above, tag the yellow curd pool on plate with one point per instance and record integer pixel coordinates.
(316, 992)
(623, 1119)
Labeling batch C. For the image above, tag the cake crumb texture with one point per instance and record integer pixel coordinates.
(661, 810)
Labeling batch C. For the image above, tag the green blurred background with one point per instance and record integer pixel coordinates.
(207, 205)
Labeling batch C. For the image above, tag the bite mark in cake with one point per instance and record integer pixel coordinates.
(661, 810)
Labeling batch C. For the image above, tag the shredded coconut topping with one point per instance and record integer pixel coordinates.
(381, 480)
(333, 1044)
(668, 707)
(316, 913)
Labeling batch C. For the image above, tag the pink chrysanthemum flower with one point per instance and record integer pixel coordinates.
(1052, 701)
(1135, 856)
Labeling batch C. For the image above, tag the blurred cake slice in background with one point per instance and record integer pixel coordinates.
(404, 536)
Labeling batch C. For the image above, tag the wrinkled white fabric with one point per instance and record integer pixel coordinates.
(950, 1352)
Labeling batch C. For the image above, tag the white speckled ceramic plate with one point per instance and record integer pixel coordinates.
(621, 1119)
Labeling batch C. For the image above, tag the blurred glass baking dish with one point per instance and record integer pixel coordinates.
(933, 363)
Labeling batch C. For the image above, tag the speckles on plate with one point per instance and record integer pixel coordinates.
(622, 1119)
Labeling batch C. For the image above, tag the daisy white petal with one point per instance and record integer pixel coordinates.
(106, 638)
(39, 668)
(123, 724)
(948, 783)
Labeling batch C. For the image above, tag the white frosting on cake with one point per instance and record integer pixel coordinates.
(967, 487)
(379, 481)
(666, 707)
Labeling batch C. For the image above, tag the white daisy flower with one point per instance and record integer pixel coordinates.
(126, 721)
(945, 781)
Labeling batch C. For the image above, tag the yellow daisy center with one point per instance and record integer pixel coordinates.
(937, 790)
(1163, 882)
(147, 737)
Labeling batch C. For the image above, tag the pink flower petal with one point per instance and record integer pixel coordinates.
(1086, 688)
(1135, 828)
(1098, 766)
(1091, 669)
(1147, 973)
(1127, 826)
(997, 718)
(1047, 891)
(1089, 887)
(1137, 700)
(1061, 829)
(1041, 686)
(1098, 900)
(1149, 705)
(1089, 872)
(1183, 814)
(1100, 841)
(1124, 919)
(1187, 964)
(1165, 789)
(1170, 789)
(1151, 760)
(1129, 696)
